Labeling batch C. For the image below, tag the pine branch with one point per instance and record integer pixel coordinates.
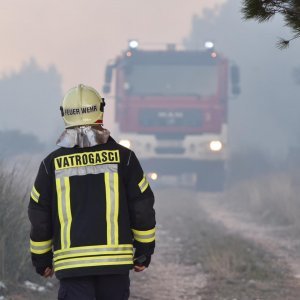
(264, 10)
(255, 9)
(284, 43)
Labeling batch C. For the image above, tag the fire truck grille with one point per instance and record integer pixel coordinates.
(171, 118)
(169, 150)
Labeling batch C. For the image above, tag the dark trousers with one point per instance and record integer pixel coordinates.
(101, 287)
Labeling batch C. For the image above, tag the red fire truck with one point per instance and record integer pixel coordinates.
(171, 109)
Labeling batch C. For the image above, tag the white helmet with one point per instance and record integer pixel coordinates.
(82, 105)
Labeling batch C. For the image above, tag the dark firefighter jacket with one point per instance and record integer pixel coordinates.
(89, 207)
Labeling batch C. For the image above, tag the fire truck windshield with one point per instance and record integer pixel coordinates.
(171, 80)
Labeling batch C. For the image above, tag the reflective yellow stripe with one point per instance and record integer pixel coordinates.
(112, 207)
(144, 232)
(34, 251)
(92, 247)
(34, 198)
(64, 210)
(143, 184)
(68, 211)
(93, 250)
(108, 207)
(144, 240)
(40, 247)
(85, 170)
(93, 262)
(60, 212)
(145, 187)
(144, 236)
(35, 191)
(142, 181)
(35, 195)
(41, 244)
(116, 211)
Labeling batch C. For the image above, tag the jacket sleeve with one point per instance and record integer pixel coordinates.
(39, 212)
(141, 207)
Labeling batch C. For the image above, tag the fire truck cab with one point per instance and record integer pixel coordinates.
(171, 109)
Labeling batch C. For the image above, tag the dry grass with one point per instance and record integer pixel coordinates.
(15, 264)
(223, 256)
(272, 198)
(230, 257)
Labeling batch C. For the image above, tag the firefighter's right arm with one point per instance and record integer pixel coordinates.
(141, 210)
(39, 212)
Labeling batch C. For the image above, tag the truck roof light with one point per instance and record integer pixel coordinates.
(209, 45)
(133, 44)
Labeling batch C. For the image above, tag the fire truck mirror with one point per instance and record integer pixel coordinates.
(236, 90)
(106, 89)
(108, 73)
(235, 75)
(235, 80)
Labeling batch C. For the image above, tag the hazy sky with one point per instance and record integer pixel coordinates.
(80, 36)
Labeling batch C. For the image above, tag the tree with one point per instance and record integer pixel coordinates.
(14, 142)
(264, 10)
(32, 96)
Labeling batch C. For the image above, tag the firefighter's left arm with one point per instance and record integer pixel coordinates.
(39, 212)
(141, 210)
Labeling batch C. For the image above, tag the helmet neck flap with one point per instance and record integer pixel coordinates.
(83, 136)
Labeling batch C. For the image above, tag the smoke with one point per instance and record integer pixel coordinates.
(266, 114)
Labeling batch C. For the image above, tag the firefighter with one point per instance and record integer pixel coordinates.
(91, 207)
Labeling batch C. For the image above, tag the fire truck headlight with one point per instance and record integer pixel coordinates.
(133, 44)
(215, 146)
(153, 176)
(125, 143)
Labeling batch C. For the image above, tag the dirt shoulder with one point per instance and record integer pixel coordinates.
(278, 246)
(198, 258)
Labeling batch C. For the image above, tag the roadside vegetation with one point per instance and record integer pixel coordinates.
(262, 195)
(13, 226)
(236, 268)
(16, 271)
(270, 194)
(272, 198)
